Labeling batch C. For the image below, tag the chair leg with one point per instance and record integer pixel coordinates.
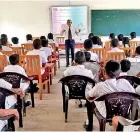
(41, 92)
(63, 95)
(59, 64)
(66, 108)
(11, 125)
(32, 93)
(19, 108)
(50, 78)
(24, 107)
(48, 83)
(102, 124)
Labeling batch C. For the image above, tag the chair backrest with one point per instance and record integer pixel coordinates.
(9, 45)
(8, 53)
(118, 103)
(13, 78)
(27, 46)
(134, 81)
(76, 85)
(107, 45)
(31, 64)
(60, 39)
(130, 50)
(53, 46)
(3, 94)
(3, 62)
(99, 52)
(117, 56)
(18, 50)
(134, 43)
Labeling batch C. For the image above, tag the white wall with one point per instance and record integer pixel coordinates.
(18, 18)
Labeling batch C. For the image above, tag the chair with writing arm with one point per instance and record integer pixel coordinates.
(117, 104)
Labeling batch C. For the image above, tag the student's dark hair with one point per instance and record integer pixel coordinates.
(4, 41)
(133, 35)
(125, 41)
(15, 40)
(37, 44)
(138, 50)
(79, 57)
(14, 59)
(96, 40)
(112, 68)
(87, 44)
(87, 56)
(90, 35)
(3, 36)
(42, 37)
(112, 35)
(29, 37)
(114, 43)
(44, 42)
(120, 37)
(50, 36)
(125, 65)
(0, 47)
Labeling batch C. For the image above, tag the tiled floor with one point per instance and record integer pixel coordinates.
(48, 115)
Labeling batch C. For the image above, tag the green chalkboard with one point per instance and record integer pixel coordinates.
(103, 22)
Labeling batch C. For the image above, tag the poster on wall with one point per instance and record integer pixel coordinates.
(78, 15)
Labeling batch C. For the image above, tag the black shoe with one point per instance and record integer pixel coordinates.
(67, 65)
(28, 103)
(87, 127)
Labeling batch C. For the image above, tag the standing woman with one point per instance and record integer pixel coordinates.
(70, 32)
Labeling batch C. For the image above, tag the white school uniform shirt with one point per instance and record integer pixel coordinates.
(74, 31)
(109, 86)
(52, 41)
(47, 50)
(96, 46)
(16, 45)
(6, 48)
(116, 49)
(29, 41)
(135, 66)
(94, 56)
(20, 70)
(42, 55)
(120, 43)
(80, 70)
(123, 74)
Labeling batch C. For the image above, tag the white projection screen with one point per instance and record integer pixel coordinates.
(78, 15)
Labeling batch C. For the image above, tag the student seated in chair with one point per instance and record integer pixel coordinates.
(112, 70)
(111, 36)
(97, 43)
(93, 66)
(115, 46)
(120, 38)
(45, 48)
(125, 67)
(29, 38)
(79, 68)
(135, 63)
(42, 55)
(15, 42)
(125, 42)
(133, 36)
(4, 43)
(88, 47)
(14, 67)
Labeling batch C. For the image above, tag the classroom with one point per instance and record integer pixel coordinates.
(70, 65)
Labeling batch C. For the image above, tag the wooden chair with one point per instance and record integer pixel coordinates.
(99, 52)
(3, 62)
(129, 51)
(27, 46)
(134, 43)
(116, 56)
(8, 53)
(31, 64)
(107, 45)
(60, 39)
(9, 45)
(18, 50)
